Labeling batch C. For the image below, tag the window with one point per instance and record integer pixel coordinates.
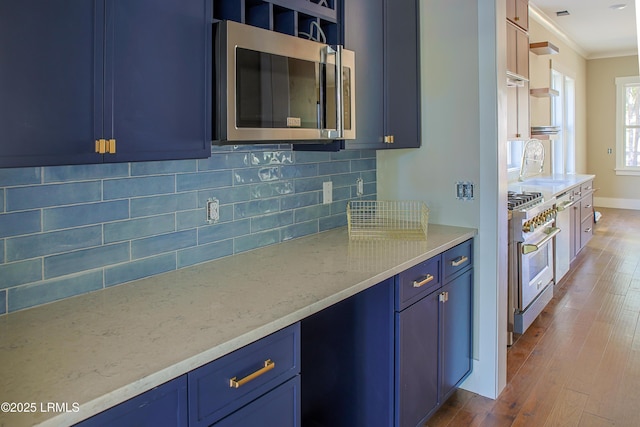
(563, 114)
(514, 155)
(628, 126)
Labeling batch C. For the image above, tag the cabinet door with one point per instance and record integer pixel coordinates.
(402, 73)
(456, 332)
(518, 112)
(363, 24)
(518, 13)
(524, 129)
(158, 79)
(574, 242)
(164, 405)
(50, 81)
(417, 361)
(384, 34)
(522, 53)
(512, 46)
(278, 408)
(522, 14)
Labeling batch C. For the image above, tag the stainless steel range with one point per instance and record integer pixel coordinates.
(531, 235)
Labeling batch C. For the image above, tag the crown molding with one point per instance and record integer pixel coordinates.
(542, 19)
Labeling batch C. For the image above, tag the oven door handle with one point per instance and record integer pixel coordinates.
(551, 232)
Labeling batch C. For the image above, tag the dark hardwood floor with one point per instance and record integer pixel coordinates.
(579, 363)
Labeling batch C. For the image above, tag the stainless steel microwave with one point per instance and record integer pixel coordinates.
(276, 87)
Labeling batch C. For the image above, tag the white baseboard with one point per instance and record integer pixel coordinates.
(608, 202)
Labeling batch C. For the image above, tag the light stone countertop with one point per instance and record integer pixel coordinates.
(551, 185)
(102, 348)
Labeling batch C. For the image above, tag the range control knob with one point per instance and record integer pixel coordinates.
(528, 226)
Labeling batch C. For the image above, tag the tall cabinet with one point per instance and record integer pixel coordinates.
(518, 123)
(384, 34)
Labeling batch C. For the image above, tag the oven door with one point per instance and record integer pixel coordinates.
(536, 266)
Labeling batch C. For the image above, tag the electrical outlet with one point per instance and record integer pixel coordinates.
(464, 190)
(327, 192)
(609, 151)
(359, 187)
(213, 210)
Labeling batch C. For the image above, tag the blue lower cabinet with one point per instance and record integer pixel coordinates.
(256, 385)
(233, 382)
(165, 405)
(392, 354)
(417, 361)
(278, 408)
(456, 321)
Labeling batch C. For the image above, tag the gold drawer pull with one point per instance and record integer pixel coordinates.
(426, 280)
(268, 365)
(460, 261)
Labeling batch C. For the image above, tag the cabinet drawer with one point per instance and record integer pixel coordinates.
(586, 231)
(577, 192)
(457, 259)
(586, 188)
(277, 408)
(164, 405)
(417, 281)
(586, 207)
(256, 369)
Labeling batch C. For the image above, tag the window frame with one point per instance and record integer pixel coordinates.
(621, 84)
(563, 114)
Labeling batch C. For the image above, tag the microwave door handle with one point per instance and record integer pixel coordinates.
(339, 103)
(339, 132)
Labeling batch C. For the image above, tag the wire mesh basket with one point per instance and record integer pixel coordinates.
(387, 220)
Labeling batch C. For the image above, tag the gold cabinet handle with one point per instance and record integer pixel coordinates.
(459, 261)
(424, 281)
(101, 146)
(104, 146)
(268, 365)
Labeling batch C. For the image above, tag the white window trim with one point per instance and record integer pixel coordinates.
(621, 168)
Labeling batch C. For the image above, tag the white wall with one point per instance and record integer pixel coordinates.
(464, 139)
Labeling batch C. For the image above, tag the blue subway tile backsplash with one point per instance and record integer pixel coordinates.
(68, 230)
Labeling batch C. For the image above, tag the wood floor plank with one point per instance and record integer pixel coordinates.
(567, 409)
(590, 356)
(538, 406)
(628, 410)
(606, 391)
(589, 420)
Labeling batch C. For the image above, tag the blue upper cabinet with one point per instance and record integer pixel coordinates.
(77, 72)
(384, 34)
(50, 88)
